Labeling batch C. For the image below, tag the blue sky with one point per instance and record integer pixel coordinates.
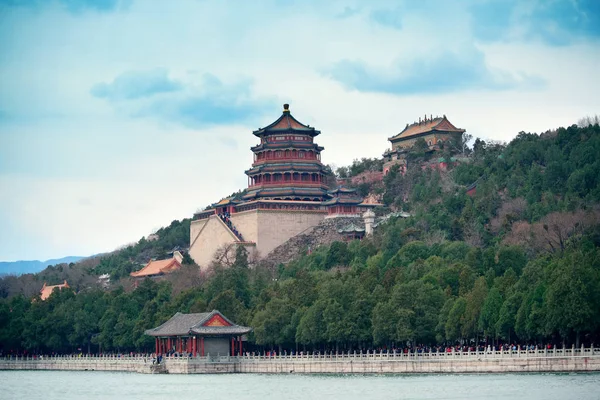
(118, 116)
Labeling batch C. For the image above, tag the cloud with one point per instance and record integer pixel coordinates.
(135, 85)
(557, 23)
(389, 18)
(209, 102)
(444, 73)
(73, 6)
(348, 12)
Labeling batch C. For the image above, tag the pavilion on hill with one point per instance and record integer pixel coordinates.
(203, 334)
(434, 131)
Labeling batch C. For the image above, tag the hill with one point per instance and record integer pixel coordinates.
(502, 246)
(32, 266)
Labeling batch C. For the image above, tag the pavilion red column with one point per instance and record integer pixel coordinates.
(194, 346)
(240, 340)
(156, 345)
(202, 346)
(232, 346)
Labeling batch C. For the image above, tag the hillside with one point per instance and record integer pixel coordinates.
(517, 260)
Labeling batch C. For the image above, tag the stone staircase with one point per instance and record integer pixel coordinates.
(225, 219)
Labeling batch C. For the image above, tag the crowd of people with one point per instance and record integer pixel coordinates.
(225, 217)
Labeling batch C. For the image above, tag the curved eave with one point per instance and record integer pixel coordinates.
(272, 128)
(220, 330)
(283, 145)
(399, 137)
(276, 131)
(283, 168)
(347, 202)
(283, 191)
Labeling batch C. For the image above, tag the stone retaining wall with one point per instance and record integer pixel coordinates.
(557, 360)
(579, 364)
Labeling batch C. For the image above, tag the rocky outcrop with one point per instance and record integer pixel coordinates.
(325, 232)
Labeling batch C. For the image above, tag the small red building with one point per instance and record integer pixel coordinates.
(200, 334)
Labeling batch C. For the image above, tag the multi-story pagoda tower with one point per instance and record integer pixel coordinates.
(287, 163)
(287, 195)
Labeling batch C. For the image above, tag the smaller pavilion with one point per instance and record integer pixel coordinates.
(346, 202)
(156, 268)
(200, 334)
(434, 131)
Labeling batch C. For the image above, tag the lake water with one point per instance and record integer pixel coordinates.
(65, 385)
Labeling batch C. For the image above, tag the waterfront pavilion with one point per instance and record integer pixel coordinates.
(201, 334)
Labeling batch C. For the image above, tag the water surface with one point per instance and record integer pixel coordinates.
(66, 385)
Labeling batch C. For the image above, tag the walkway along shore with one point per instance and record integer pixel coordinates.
(543, 360)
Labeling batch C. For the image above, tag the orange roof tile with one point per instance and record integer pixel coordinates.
(431, 125)
(157, 267)
(47, 290)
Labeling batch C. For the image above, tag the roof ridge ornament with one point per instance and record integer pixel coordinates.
(286, 108)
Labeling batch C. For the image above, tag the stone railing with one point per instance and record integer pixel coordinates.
(141, 359)
(431, 355)
(519, 360)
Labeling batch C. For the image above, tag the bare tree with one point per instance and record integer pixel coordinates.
(552, 233)
(510, 211)
(588, 120)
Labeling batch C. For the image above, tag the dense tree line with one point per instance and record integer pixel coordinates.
(519, 261)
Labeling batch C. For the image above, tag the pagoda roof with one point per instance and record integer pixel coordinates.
(351, 229)
(285, 167)
(157, 267)
(286, 123)
(226, 201)
(437, 124)
(286, 190)
(283, 145)
(208, 323)
(341, 190)
(343, 200)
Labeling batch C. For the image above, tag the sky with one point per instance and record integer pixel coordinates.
(119, 116)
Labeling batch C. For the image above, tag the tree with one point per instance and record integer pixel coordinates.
(574, 294)
(311, 329)
(474, 302)
(455, 320)
(490, 313)
(273, 325)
